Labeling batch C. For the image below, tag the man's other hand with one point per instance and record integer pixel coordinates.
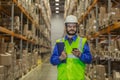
(63, 56)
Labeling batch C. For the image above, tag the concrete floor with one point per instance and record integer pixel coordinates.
(45, 71)
(48, 72)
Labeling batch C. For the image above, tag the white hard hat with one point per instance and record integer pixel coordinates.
(71, 19)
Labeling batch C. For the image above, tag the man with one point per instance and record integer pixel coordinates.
(75, 54)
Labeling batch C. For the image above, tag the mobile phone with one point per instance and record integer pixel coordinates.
(74, 49)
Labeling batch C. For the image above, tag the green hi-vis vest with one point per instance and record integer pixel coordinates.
(74, 68)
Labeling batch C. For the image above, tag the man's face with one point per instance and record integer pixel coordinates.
(71, 28)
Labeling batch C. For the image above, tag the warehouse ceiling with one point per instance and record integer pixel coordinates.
(57, 6)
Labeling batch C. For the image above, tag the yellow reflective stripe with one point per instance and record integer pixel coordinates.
(60, 40)
(80, 45)
(83, 42)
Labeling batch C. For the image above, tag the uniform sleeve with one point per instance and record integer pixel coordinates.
(55, 57)
(86, 56)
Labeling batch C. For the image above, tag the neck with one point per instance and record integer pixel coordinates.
(70, 36)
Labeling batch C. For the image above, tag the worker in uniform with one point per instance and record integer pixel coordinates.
(71, 53)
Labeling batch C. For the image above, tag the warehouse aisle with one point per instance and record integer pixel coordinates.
(48, 72)
(29, 30)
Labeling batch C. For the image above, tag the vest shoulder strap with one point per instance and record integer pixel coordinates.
(60, 40)
(82, 43)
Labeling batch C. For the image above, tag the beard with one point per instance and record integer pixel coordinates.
(68, 32)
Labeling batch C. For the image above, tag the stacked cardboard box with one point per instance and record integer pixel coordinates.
(91, 23)
(103, 17)
(29, 35)
(116, 75)
(115, 15)
(25, 29)
(3, 47)
(2, 75)
(5, 59)
(5, 22)
(25, 62)
(17, 24)
(98, 72)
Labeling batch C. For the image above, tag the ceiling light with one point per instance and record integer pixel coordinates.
(57, 8)
(57, 11)
(57, 4)
(57, 0)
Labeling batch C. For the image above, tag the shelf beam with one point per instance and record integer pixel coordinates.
(107, 30)
(4, 30)
(2, 9)
(82, 18)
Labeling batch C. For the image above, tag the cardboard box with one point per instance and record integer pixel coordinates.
(100, 71)
(2, 77)
(25, 29)
(116, 75)
(2, 69)
(3, 47)
(5, 59)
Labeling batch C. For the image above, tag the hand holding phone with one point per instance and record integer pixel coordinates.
(76, 52)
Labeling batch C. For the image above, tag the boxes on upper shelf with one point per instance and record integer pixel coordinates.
(5, 59)
(17, 24)
(115, 15)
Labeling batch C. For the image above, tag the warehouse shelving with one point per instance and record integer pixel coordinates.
(47, 9)
(4, 30)
(82, 18)
(70, 7)
(29, 17)
(89, 19)
(24, 11)
(107, 30)
(21, 41)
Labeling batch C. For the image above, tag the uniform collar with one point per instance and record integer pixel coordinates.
(73, 38)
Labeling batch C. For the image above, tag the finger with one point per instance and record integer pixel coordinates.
(73, 52)
(76, 50)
